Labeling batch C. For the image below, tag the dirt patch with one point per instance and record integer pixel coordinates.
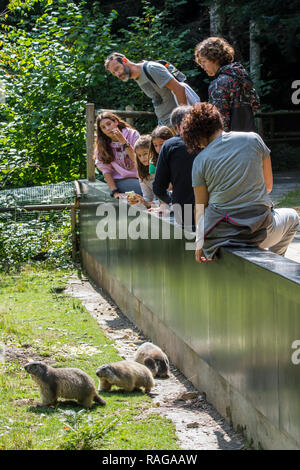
(198, 425)
(24, 354)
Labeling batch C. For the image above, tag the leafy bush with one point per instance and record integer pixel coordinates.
(43, 237)
(52, 54)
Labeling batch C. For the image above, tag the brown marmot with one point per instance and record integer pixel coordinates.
(64, 383)
(154, 358)
(128, 375)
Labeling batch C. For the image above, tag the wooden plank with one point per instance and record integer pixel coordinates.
(90, 138)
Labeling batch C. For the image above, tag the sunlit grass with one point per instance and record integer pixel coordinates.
(38, 321)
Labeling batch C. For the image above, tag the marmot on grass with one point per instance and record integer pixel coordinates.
(64, 383)
(154, 358)
(128, 375)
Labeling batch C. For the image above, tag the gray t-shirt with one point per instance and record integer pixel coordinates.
(162, 98)
(231, 169)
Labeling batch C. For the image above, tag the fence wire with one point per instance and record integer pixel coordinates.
(62, 193)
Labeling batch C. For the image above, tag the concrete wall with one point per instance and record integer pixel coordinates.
(228, 326)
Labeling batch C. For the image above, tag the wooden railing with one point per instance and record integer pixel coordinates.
(265, 129)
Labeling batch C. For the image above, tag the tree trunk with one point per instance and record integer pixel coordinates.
(254, 53)
(255, 64)
(216, 19)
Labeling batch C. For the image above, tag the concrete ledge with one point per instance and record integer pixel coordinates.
(231, 404)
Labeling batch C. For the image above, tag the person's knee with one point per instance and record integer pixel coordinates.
(287, 217)
(293, 218)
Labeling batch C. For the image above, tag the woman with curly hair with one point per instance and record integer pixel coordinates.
(232, 89)
(231, 177)
(114, 154)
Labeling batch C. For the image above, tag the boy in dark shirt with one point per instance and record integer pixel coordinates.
(175, 166)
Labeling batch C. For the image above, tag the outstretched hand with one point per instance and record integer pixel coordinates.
(200, 257)
(135, 199)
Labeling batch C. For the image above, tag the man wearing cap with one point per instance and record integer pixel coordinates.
(163, 89)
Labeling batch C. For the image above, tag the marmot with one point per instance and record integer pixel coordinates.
(63, 382)
(154, 358)
(128, 375)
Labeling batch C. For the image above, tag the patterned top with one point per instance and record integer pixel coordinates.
(122, 166)
(231, 87)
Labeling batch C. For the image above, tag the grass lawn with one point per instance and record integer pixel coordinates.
(38, 321)
(291, 199)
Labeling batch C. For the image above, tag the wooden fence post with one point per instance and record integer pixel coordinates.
(129, 120)
(90, 136)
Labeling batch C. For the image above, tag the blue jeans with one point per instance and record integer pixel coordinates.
(129, 184)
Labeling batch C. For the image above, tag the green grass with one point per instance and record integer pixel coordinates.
(38, 321)
(291, 199)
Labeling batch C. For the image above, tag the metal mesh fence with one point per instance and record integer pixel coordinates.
(48, 194)
(16, 199)
(27, 234)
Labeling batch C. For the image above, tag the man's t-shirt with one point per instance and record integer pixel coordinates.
(162, 98)
(231, 169)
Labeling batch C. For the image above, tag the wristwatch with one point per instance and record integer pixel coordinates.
(127, 144)
(114, 191)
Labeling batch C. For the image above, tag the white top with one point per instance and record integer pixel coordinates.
(146, 186)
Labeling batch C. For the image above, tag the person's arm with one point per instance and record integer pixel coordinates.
(111, 184)
(129, 149)
(268, 173)
(163, 78)
(178, 90)
(201, 201)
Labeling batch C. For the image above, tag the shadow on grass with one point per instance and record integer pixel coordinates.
(121, 395)
(61, 405)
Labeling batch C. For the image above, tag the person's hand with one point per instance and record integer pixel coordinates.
(199, 256)
(117, 134)
(136, 199)
(163, 209)
(119, 195)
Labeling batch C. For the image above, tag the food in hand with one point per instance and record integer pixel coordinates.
(130, 194)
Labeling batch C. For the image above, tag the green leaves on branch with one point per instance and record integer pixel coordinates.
(51, 63)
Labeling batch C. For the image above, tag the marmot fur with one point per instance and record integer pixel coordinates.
(63, 382)
(128, 375)
(154, 358)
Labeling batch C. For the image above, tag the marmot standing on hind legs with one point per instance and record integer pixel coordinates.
(128, 375)
(69, 383)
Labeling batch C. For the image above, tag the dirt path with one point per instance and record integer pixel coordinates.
(198, 425)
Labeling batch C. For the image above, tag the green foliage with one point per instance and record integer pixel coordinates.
(83, 431)
(14, 4)
(51, 63)
(27, 237)
(47, 78)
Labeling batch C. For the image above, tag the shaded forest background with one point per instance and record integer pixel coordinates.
(51, 64)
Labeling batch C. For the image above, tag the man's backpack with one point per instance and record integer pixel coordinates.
(180, 77)
(191, 95)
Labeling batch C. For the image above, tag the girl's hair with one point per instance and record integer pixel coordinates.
(143, 142)
(203, 120)
(103, 149)
(215, 49)
(160, 132)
